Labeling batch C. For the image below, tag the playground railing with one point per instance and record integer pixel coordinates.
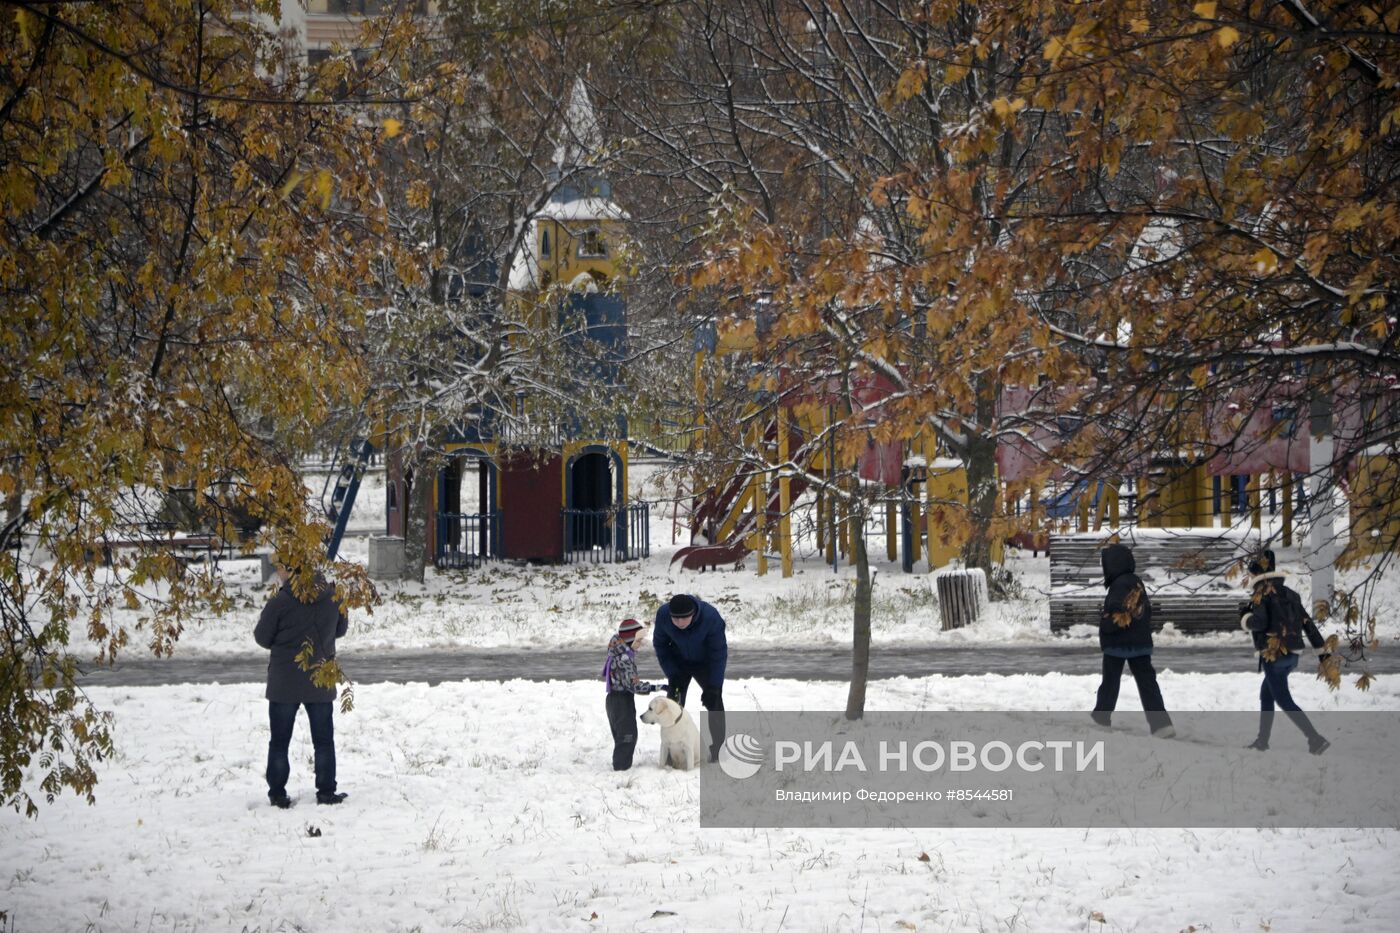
(466, 540)
(606, 536)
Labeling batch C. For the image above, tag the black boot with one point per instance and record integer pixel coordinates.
(331, 798)
(1260, 744)
(280, 801)
(1317, 745)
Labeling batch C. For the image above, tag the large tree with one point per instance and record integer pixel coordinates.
(1134, 214)
(187, 219)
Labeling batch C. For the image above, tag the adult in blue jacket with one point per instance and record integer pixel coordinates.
(690, 645)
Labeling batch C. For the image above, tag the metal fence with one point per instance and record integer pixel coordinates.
(605, 536)
(465, 540)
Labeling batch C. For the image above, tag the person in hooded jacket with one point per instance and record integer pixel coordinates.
(286, 627)
(624, 683)
(1276, 619)
(1125, 636)
(690, 645)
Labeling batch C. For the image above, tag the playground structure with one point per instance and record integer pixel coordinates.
(1270, 460)
(749, 509)
(524, 484)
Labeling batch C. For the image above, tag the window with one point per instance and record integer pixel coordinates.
(351, 82)
(591, 245)
(544, 245)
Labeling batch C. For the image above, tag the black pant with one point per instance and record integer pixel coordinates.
(711, 697)
(282, 717)
(622, 718)
(1148, 690)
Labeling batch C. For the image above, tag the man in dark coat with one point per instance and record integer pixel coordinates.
(1277, 620)
(286, 627)
(690, 644)
(1125, 636)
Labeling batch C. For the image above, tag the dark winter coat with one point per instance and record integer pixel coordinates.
(285, 627)
(699, 650)
(1125, 624)
(1277, 620)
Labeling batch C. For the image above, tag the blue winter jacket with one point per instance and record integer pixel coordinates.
(699, 649)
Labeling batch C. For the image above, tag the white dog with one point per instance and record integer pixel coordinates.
(680, 740)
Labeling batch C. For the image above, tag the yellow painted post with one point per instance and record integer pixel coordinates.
(1207, 497)
(1255, 515)
(1113, 503)
(1287, 508)
(1143, 518)
(784, 497)
(1082, 508)
(949, 488)
(1170, 513)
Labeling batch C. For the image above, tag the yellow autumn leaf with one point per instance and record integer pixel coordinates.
(290, 184)
(23, 23)
(1227, 36)
(911, 82)
(1205, 10)
(324, 184)
(420, 195)
(1005, 108)
(1141, 25)
(392, 127)
(1264, 261)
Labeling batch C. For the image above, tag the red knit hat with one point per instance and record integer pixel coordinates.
(628, 629)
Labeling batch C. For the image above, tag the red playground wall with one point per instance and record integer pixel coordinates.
(531, 499)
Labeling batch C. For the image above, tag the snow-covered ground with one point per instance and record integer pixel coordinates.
(483, 806)
(492, 806)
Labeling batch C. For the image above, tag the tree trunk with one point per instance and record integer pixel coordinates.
(982, 481)
(860, 631)
(415, 520)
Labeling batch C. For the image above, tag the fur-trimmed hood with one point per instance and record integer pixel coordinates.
(1263, 577)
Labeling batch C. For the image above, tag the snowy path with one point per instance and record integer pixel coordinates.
(440, 666)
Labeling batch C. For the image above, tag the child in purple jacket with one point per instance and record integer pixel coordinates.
(620, 672)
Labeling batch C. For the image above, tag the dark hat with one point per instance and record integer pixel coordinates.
(1263, 562)
(628, 629)
(682, 605)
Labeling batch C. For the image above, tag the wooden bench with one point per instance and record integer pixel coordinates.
(1186, 571)
(186, 548)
